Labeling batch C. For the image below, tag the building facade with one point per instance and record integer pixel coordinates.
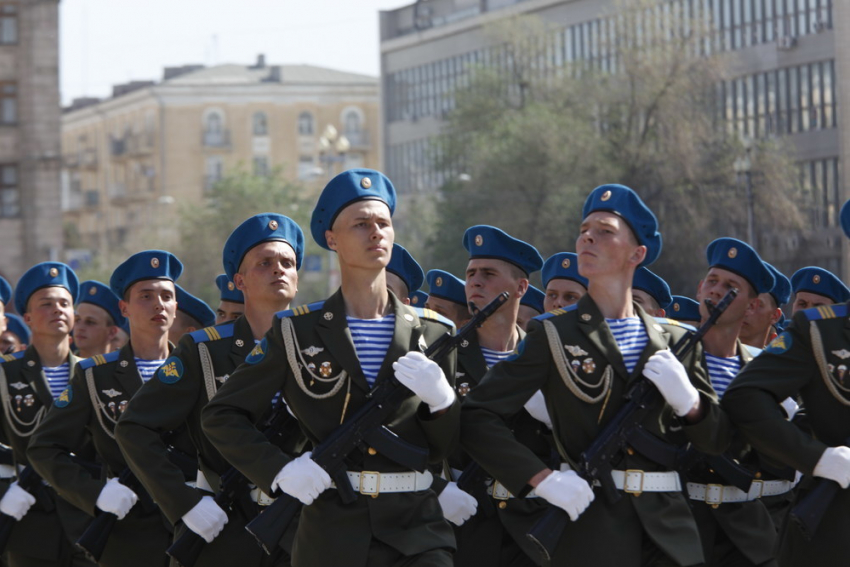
(131, 161)
(790, 77)
(30, 215)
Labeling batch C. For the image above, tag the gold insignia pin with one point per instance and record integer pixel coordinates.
(328, 316)
(231, 286)
(92, 290)
(566, 263)
(325, 370)
(816, 279)
(54, 272)
(439, 282)
(732, 252)
(273, 224)
(676, 307)
(479, 240)
(606, 195)
(588, 366)
(366, 183)
(415, 300)
(154, 262)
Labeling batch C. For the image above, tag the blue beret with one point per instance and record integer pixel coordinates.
(227, 290)
(444, 285)
(16, 325)
(418, 298)
(5, 291)
(684, 309)
(626, 204)
(781, 290)
(563, 265)
(99, 294)
(820, 281)
(739, 257)
(45, 274)
(533, 298)
(343, 190)
(845, 218)
(147, 265)
(404, 266)
(652, 284)
(482, 241)
(194, 307)
(261, 228)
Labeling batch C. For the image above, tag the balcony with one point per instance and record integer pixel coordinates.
(216, 139)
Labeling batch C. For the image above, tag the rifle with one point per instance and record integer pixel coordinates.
(595, 464)
(97, 533)
(473, 481)
(366, 426)
(809, 511)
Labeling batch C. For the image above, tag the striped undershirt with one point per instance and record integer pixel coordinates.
(631, 339)
(147, 368)
(494, 356)
(722, 371)
(371, 340)
(57, 378)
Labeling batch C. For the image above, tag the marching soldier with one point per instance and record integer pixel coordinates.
(30, 380)
(192, 314)
(231, 304)
(17, 335)
(600, 348)
(404, 275)
(418, 298)
(344, 347)
(758, 328)
(447, 297)
(685, 310)
(651, 292)
(261, 258)
(97, 321)
(562, 283)
(808, 359)
(815, 287)
(530, 306)
(97, 395)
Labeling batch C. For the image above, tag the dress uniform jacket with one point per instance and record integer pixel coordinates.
(99, 391)
(199, 364)
(808, 359)
(331, 533)
(605, 534)
(48, 530)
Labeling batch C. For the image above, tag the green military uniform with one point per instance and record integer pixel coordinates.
(98, 393)
(46, 533)
(199, 364)
(580, 370)
(323, 384)
(808, 359)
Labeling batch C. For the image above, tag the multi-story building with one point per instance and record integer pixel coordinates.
(30, 216)
(790, 69)
(131, 160)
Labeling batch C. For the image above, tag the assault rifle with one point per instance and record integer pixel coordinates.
(365, 427)
(809, 511)
(595, 464)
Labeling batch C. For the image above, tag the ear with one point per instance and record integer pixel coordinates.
(28, 319)
(661, 313)
(122, 305)
(331, 240)
(752, 306)
(777, 314)
(239, 281)
(638, 256)
(112, 332)
(699, 287)
(522, 288)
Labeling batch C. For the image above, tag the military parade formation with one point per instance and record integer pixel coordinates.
(599, 420)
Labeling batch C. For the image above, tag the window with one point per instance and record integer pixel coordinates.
(261, 166)
(9, 196)
(260, 124)
(214, 172)
(214, 124)
(8, 24)
(306, 168)
(8, 103)
(305, 124)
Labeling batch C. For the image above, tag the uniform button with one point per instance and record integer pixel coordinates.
(503, 505)
(372, 451)
(630, 451)
(758, 475)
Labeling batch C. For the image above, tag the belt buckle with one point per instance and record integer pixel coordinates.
(760, 484)
(710, 501)
(496, 486)
(377, 476)
(626, 488)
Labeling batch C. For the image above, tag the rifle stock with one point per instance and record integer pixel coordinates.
(809, 511)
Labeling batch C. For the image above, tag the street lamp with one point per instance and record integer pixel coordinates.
(332, 150)
(744, 167)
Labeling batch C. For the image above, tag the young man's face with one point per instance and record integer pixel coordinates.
(362, 235)
(50, 311)
(524, 315)
(488, 277)
(228, 311)
(268, 274)
(807, 300)
(766, 314)
(10, 343)
(93, 328)
(607, 246)
(714, 287)
(562, 293)
(647, 302)
(150, 305)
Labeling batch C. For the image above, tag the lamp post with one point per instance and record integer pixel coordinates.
(744, 167)
(332, 150)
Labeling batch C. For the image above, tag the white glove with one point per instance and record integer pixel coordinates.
(568, 491)
(206, 519)
(790, 407)
(425, 378)
(16, 502)
(536, 406)
(116, 498)
(665, 371)
(834, 464)
(303, 479)
(458, 506)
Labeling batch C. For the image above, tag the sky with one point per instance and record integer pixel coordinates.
(107, 42)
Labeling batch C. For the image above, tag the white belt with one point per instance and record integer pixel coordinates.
(7, 471)
(499, 492)
(636, 481)
(261, 497)
(201, 482)
(373, 483)
(715, 494)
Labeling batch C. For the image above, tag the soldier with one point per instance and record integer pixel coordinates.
(5, 296)
(346, 345)
(192, 314)
(418, 298)
(261, 257)
(231, 303)
(601, 347)
(97, 321)
(651, 292)
(29, 381)
(685, 310)
(530, 306)
(816, 287)
(17, 335)
(758, 328)
(563, 284)
(447, 297)
(403, 274)
(96, 397)
(808, 359)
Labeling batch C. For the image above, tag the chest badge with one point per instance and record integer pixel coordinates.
(222, 379)
(575, 350)
(325, 370)
(29, 400)
(112, 392)
(842, 372)
(18, 385)
(843, 354)
(240, 343)
(588, 366)
(576, 364)
(463, 389)
(312, 351)
(464, 343)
